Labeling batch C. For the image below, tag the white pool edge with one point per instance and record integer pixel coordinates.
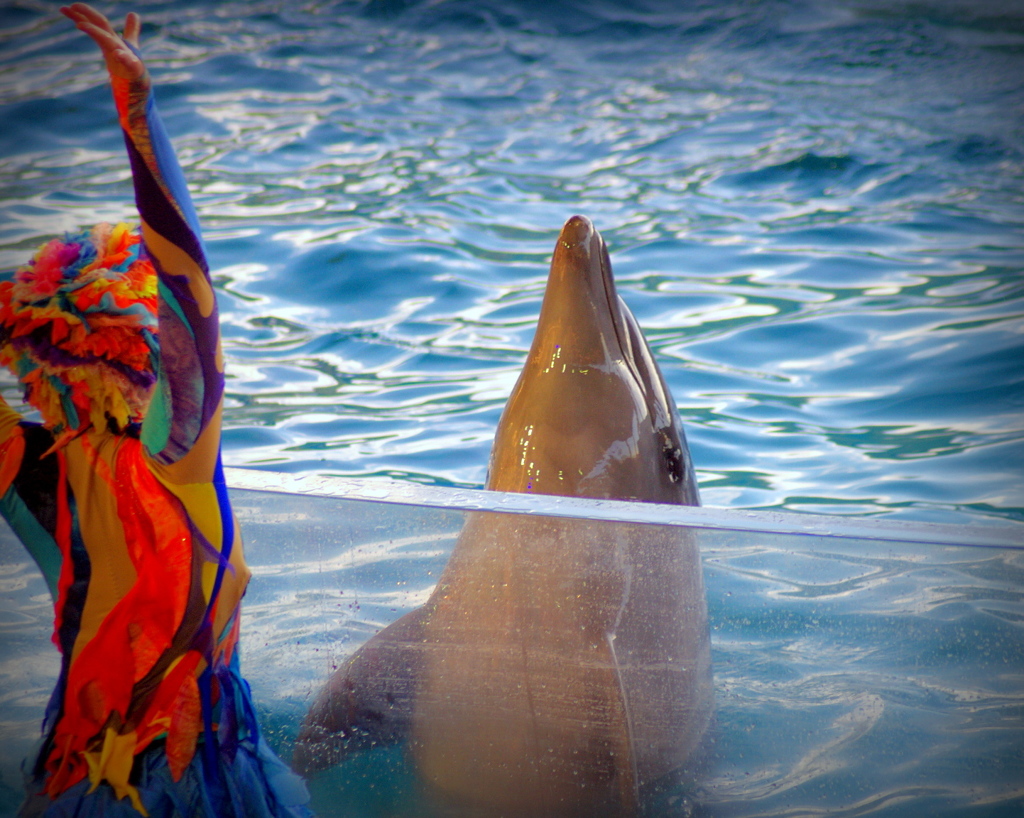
(997, 535)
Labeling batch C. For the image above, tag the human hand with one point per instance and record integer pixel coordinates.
(122, 62)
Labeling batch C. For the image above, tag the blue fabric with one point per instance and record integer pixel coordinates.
(250, 781)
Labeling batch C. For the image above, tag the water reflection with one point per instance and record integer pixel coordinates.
(798, 196)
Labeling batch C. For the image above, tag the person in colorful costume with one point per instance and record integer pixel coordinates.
(119, 495)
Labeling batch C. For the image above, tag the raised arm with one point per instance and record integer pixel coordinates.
(181, 430)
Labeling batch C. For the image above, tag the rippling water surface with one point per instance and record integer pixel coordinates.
(814, 209)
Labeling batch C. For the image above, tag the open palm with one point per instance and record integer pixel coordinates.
(122, 62)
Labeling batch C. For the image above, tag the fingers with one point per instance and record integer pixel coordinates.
(121, 60)
(83, 13)
(97, 26)
(107, 40)
(132, 25)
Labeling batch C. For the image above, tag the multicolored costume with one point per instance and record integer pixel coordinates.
(120, 497)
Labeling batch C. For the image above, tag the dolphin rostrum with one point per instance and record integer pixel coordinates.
(561, 667)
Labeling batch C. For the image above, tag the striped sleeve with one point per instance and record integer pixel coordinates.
(190, 383)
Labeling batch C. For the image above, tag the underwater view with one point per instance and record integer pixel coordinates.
(852, 676)
(815, 210)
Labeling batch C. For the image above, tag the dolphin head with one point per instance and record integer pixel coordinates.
(590, 414)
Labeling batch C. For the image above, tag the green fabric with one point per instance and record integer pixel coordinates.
(36, 539)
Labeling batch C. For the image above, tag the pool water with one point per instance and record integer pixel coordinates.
(816, 212)
(865, 676)
(814, 209)
(853, 676)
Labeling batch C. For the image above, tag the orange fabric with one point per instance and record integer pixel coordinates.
(186, 724)
(160, 716)
(138, 630)
(12, 451)
(122, 100)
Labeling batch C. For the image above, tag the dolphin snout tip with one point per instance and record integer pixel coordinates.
(576, 231)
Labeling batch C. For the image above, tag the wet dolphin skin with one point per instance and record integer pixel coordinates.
(590, 415)
(561, 667)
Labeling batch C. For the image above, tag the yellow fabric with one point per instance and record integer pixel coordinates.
(9, 418)
(199, 464)
(201, 500)
(172, 257)
(112, 573)
(113, 763)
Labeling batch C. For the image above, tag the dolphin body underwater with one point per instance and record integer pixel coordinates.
(561, 667)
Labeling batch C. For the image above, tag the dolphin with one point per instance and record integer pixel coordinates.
(590, 415)
(561, 667)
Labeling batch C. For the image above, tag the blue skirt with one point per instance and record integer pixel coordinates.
(242, 779)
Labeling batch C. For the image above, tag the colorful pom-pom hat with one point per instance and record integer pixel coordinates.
(78, 327)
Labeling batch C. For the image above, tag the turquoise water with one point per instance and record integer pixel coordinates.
(852, 677)
(816, 212)
(814, 209)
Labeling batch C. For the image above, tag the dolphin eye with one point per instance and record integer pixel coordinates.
(673, 455)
